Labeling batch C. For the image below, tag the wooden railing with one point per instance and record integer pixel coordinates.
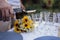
(47, 16)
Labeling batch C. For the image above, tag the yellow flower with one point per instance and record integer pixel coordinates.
(16, 26)
(25, 19)
(16, 22)
(23, 25)
(17, 30)
(26, 26)
(30, 22)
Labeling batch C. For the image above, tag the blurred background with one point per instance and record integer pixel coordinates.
(39, 5)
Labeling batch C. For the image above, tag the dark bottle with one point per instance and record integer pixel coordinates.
(20, 15)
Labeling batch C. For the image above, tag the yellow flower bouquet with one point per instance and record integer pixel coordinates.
(23, 25)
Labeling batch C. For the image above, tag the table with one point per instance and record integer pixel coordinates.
(42, 29)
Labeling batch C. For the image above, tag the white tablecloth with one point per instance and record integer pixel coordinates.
(42, 29)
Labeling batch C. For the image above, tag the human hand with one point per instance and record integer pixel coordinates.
(6, 11)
